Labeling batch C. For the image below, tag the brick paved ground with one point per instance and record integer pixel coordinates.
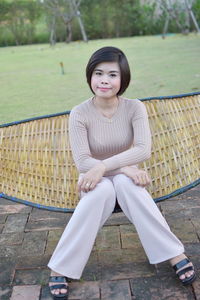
(117, 269)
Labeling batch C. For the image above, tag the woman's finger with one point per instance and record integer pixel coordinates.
(136, 180)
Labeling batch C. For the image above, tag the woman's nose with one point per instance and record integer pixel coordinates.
(104, 79)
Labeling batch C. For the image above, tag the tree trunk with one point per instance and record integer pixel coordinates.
(68, 32)
(52, 38)
(189, 7)
(78, 15)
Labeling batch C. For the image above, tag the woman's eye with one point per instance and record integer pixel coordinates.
(98, 73)
(113, 75)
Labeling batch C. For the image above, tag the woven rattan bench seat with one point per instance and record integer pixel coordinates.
(37, 167)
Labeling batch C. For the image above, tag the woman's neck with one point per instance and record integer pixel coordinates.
(103, 103)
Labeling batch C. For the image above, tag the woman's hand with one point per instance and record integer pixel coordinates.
(138, 176)
(90, 179)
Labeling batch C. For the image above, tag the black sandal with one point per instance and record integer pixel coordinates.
(59, 280)
(179, 265)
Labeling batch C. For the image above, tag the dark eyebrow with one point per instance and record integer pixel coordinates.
(113, 71)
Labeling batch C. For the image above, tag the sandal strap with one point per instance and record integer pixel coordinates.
(58, 279)
(58, 286)
(185, 270)
(181, 264)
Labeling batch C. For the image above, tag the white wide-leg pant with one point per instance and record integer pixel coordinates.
(94, 208)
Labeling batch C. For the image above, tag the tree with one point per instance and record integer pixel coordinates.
(20, 18)
(66, 10)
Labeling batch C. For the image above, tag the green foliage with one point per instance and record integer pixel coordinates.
(29, 21)
(196, 10)
(18, 21)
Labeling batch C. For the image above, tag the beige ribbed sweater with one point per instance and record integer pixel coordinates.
(122, 140)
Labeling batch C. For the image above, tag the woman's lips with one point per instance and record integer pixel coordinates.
(104, 89)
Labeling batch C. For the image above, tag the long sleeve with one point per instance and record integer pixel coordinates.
(141, 149)
(79, 143)
(123, 141)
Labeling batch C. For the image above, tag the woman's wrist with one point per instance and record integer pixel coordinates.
(124, 169)
(100, 166)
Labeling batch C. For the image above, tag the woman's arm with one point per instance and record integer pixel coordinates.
(93, 168)
(79, 142)
(141, 149)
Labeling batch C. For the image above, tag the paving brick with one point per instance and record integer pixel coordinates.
(116, 290)
(34, 243)
(164, 268)
(117, 219)
(126, 271)
(48, 224)
(7, 270)
(45, 293)
(9, 251)
(54, 235)
(159, 287)
(31, 277)
(15, 223)
(183, 212)
(129, 237)
(50, 247)
(42, 214)
(5, 201)
(27, 292)
(192, 249)
(108, 237)
(128, 228)
(3, 219)
(120, 256)
(183, 229)
(5, 292)
(15, 209)
(196, 223)
(196, 288)
(1, 228)
(31, 262)
(52, 240)
(84, 290)
(92, 270)
(192, 193)
(11, 238)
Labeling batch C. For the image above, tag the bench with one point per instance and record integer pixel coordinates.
(37, 166)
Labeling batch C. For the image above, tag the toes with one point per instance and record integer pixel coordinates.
(57, 292)
(186, 275)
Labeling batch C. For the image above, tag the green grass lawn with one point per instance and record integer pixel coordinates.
(32, 84)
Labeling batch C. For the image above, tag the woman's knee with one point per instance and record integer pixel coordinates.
(106, 187)
(122, 181)
(104, 190)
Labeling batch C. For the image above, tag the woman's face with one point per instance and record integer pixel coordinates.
(106, 80)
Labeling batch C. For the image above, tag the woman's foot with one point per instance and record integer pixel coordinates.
(184, 268)
(58, 285)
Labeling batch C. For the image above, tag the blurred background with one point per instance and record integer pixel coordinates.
(45, 46)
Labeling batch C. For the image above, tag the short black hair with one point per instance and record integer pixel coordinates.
(110, 54)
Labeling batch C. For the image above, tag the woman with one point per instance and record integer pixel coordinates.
(109, 136)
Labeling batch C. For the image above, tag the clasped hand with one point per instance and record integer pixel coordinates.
(90, 179)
